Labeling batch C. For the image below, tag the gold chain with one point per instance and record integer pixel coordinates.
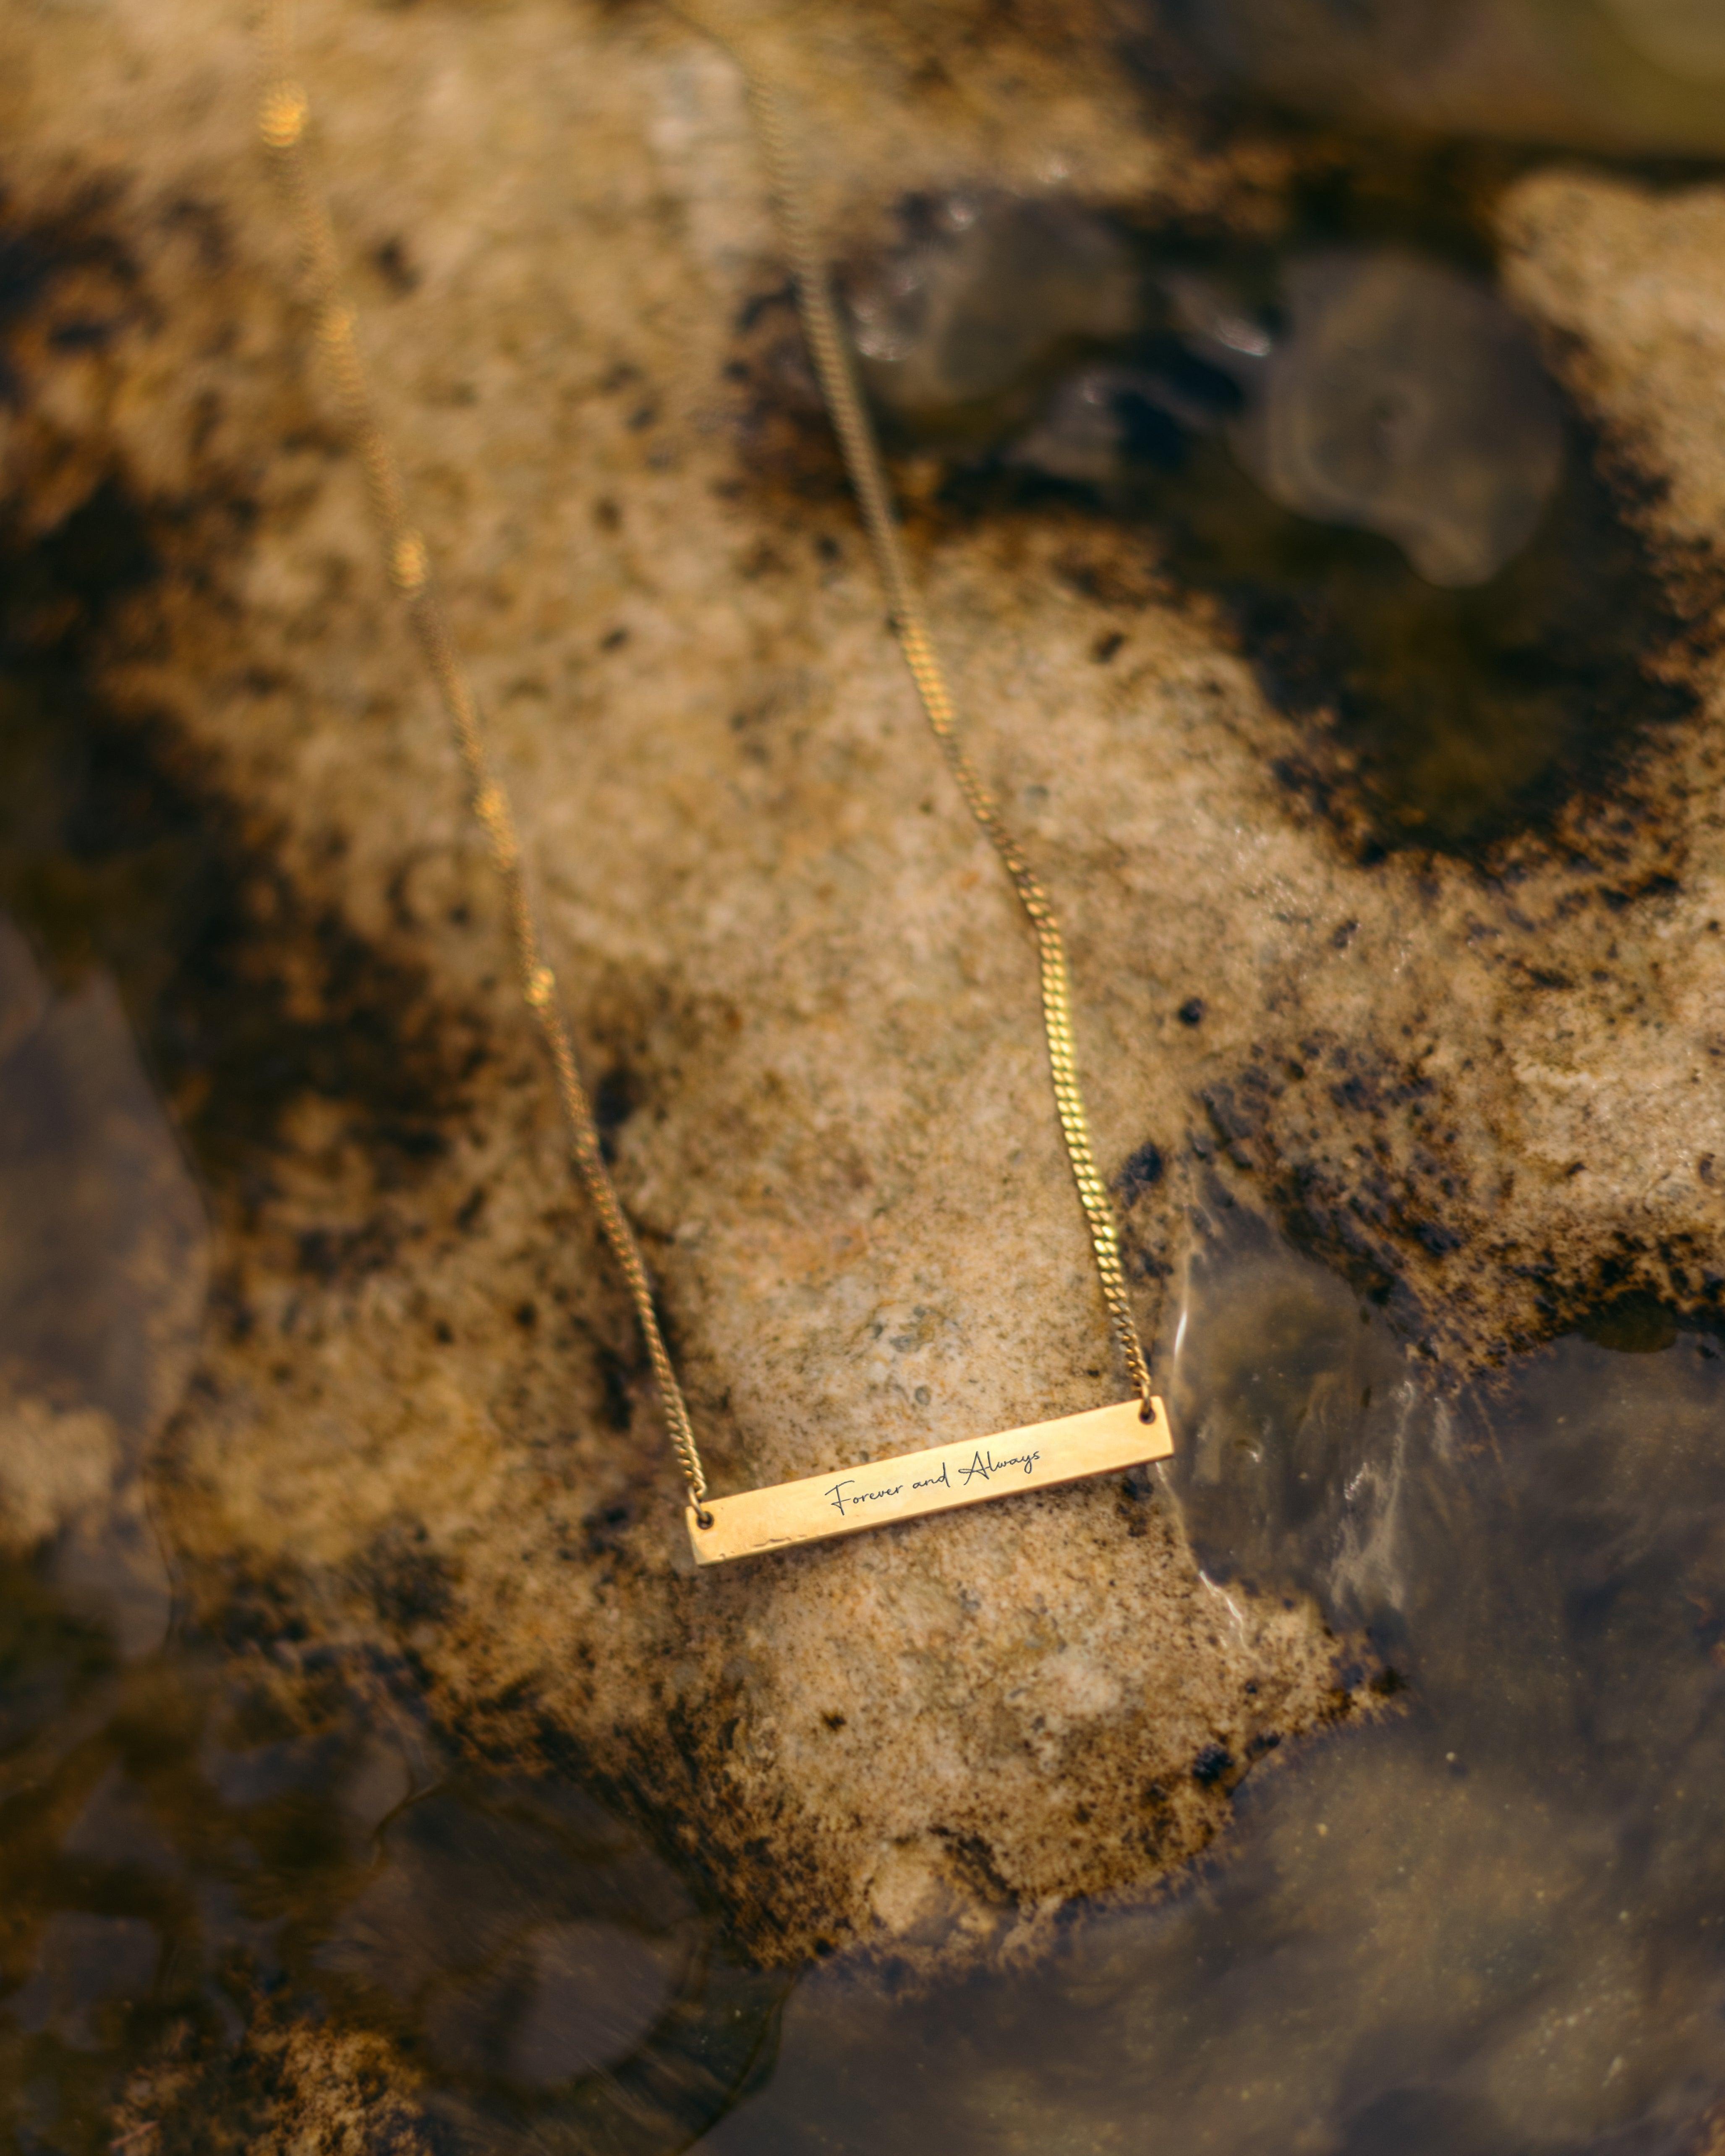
(849, 415)
(284, 117)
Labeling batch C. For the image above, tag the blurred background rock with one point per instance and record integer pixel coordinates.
(1628, 76)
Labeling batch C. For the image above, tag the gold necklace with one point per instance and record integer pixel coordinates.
(843, 1501)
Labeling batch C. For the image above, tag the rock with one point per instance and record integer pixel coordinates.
(288, 2087)
(88, 1970)
(1685, 37)
(1612, 75)
(102, 1284)
(23, 993)
(424, 1412)
(594, 1992)
(796, 978)
(989, 292)
(116, 1828)
(54, 1469)
(1407, 400)
(1626, 281)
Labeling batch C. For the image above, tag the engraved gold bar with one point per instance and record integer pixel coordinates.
(849, 1499)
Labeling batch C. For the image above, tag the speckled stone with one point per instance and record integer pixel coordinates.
(287, 2088)
(421, 1414)
(103, 1279)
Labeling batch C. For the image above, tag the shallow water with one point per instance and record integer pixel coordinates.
(1493, 1921)
(1598, 74)
(179, 1854)
(176, 1843)
(1341, 439)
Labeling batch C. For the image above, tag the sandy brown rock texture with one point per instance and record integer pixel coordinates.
(797, 981)
(288, 2088)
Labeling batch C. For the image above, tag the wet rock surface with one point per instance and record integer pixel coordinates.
(1481, 1085)
(101, 1296)
(985, 297)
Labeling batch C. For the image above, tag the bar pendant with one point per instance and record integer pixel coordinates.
(848, 1500)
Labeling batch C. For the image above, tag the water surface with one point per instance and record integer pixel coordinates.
(1493, 1921)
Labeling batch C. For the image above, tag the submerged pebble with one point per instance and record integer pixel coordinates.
(1359, 453)
(102, 1280)
(1687, 37)
(117, 1829)
(1107, 420)
(1399, 397)
(987, 291)
(596, 1990)
(534, 1944)
(1405, 400)
(88, 1968)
